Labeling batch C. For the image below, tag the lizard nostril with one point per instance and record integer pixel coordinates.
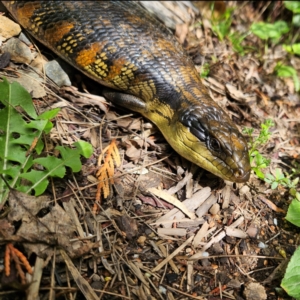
(242, 175)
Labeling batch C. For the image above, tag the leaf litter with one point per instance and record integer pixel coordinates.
(162, 216)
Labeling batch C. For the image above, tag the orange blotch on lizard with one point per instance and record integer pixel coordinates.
(116, 68)
(56, 33)
(88, 56)
(24, 13)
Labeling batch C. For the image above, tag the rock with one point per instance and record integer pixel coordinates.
(56, 73)
(4, 60)
(23, 38)
(38, 63)
(255, 291)
(234, 283)
(8, 28)
(31, 82)
(252, 231)
(18, 51)
(217, 248)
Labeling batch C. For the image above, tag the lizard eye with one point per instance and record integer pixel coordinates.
(214, 144)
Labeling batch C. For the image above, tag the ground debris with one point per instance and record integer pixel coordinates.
(255, 291)
(167, 229)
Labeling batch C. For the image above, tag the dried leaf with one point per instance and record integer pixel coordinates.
(271, 205)
(130, 123)
(106, 172)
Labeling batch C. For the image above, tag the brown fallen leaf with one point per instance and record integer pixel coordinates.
(132, 152)
(82, 99)
(181, 32)
(155, 202)
(271, 205)
(6, 228)
(130, 123)
(172, 200)
(25, 207)
(56, 227)
(128, 226)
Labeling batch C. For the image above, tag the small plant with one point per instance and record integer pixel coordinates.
(204, 70)
(281, 179)
(294, 209)
(294, 6)
(287, 71)
(257, 160)
(221, 25)
(269, 31)
(274, 31)
(291, 279)
(295, 168)
(22, 164)
(236, 42)
(293, 49)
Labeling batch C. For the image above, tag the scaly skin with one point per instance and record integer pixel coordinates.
(121, 46)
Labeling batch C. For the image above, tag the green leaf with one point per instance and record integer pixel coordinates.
(85, 148)
(293, 192)
(296, 20)
(296, 83)
(204, 70)
(269, 31)
(294, 49)
(294, 6)
(37, 124)
(15, 136)
(290, 282)
(39, 178)
(221, 25)
(236, 40)
(285, 71)
(248, 131)
(278, 174)
(259, 173)
(293, 214)
(50, 114)
(53, 165)
(18, 136)
(270, 177)
(16, 95)
(71, 157)
(260, 160)
(274, 185)
(281, 27)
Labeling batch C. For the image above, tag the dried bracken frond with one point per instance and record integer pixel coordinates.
(7, 260)
(18, 257)
(110, 157)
